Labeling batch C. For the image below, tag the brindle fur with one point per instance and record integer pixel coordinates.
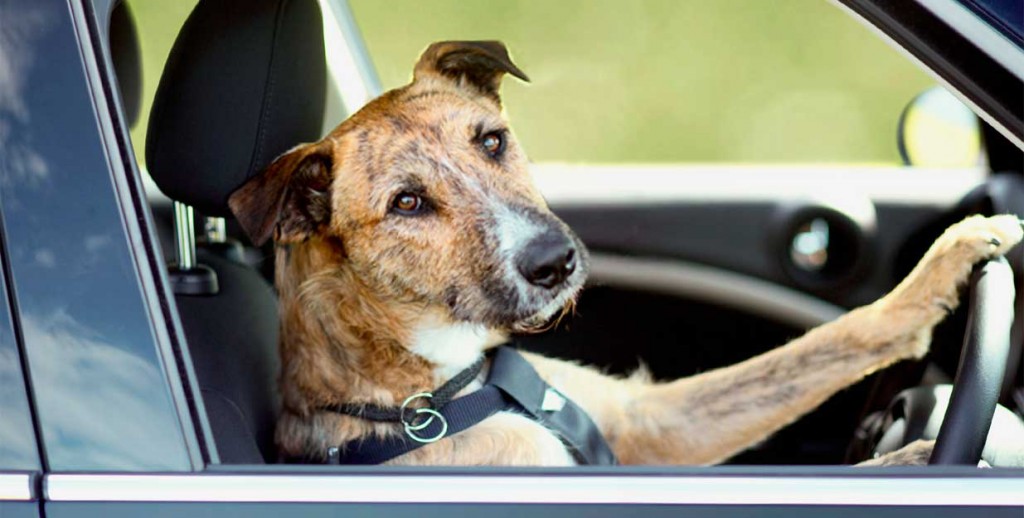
(376, 306)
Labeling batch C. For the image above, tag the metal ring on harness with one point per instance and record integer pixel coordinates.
(405, 404)
(410, 431)
(412, 427)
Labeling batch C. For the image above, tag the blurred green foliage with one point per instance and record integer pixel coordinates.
(647, 80)
(672, 80)
(158, 24)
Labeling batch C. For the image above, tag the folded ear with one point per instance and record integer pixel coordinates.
(290, 199)
(478, 63)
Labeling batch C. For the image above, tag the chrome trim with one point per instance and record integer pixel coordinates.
(534, 489)
(713, 285)
(990, 41)
(352, 77)
(15, 487)
(851, 188)
(185, 236)
(215, 230)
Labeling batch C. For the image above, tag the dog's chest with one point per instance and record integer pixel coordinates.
(505, 438)
(520, 441)
(513, 438)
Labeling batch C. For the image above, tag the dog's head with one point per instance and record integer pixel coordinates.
(430, 196)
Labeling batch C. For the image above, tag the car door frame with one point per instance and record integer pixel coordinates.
(947, 40)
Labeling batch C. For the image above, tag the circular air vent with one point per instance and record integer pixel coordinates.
(821, 247)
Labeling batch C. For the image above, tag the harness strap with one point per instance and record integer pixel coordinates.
(459, 415)
(439, 398)
(512, 385)
(516, 377)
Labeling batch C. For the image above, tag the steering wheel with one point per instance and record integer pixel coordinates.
(979, 377)
(989, 353)
(987, 340)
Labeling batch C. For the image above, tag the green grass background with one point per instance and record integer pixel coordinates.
(758, 81)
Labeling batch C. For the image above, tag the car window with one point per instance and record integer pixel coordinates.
(805, 84)
(734, 81)
(81, 312)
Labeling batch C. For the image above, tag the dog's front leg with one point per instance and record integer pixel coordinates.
(710, 417)
(717, 414)
(917, 453)
(707, 418)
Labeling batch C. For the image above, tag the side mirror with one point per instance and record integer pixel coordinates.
(937, 130)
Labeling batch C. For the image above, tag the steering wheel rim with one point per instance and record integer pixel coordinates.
(979, 376)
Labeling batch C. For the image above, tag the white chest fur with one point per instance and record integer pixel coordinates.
(451, 346)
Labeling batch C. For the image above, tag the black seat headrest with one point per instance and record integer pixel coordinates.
(245, 81)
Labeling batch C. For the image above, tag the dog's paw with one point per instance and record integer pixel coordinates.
(978, 238)
(916, 453)
(937, 279)
(932, 290)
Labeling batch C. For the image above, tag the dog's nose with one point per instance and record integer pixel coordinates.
(548, 260)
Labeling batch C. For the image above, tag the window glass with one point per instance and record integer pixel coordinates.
(17, 438)
(99, 385)
(781, 81)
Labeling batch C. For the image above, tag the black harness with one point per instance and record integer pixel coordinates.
(512, 386)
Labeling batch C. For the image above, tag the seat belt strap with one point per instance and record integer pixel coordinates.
(514, 375)
(512, 386)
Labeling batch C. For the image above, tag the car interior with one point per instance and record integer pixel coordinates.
(244, 82)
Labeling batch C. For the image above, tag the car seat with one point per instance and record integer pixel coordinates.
(244, 82)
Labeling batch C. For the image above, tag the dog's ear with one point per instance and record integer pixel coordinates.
(290, 199)
(478, 63)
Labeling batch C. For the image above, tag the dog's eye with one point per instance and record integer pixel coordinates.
(407, 203)
(493, 143)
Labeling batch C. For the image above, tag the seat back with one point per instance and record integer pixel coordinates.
(232, 339)
(244, 82)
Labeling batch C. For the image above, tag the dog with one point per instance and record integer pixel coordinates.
(411, 239)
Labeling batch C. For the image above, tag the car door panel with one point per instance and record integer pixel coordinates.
(260, 510)
(344, 491)
(19, 509)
